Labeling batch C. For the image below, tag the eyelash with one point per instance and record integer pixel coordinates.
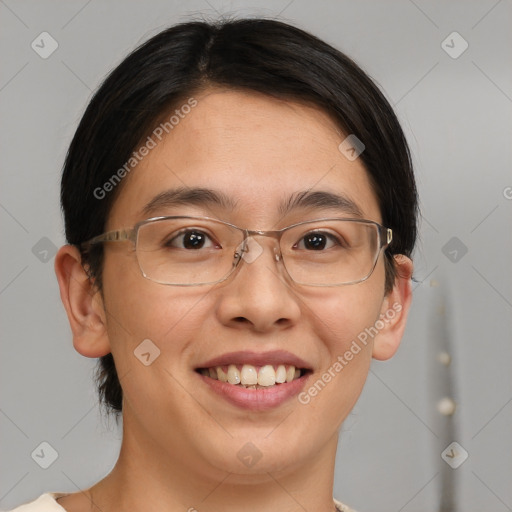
(330, 237)
(168, 242)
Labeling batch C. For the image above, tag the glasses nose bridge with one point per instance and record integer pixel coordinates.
(276, 235)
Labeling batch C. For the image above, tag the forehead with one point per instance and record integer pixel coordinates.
(257, 151)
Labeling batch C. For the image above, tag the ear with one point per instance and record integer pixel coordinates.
(83, 303)
(395, 308)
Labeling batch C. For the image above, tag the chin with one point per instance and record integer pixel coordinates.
(252, 455)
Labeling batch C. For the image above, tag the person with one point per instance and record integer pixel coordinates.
(240, 210)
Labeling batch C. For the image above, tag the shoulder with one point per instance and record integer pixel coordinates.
(45, 503)
(342, 508)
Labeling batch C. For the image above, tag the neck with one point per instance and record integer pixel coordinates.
(149, 477)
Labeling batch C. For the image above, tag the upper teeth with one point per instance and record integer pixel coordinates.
(249, 375)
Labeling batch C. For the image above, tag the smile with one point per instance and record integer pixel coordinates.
(255, 381)
(253, 377)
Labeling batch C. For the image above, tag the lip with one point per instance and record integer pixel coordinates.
(256, 399)
(257, 359)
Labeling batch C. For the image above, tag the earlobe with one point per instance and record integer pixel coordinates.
(83, 304)
(395, 309)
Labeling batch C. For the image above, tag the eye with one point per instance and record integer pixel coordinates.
(191, 239)
(317, 241)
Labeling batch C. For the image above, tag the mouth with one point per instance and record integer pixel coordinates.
(250, 376)
(255, 381)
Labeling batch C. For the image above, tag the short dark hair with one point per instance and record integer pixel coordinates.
(262, 55)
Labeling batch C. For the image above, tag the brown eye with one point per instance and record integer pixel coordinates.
(316, 241)
(191, 239)
(194, 240)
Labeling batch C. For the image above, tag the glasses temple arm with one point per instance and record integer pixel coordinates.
(112, 236)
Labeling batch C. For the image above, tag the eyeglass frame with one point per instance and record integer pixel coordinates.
(131, 234)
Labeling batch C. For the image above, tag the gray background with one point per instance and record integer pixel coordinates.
(457, 116)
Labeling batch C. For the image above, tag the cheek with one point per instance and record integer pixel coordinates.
(341, 322)
(139, 309)
(341, 314)
(152, 330)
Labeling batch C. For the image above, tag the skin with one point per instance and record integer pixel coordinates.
(180, 441)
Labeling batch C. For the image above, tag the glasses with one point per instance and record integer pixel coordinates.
(192, 251)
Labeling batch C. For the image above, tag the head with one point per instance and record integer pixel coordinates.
(256, 111)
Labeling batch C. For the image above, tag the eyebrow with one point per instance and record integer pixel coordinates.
(188, 196)
(206, 197)
(321, 200)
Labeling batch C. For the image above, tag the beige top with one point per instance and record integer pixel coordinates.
(47, 503)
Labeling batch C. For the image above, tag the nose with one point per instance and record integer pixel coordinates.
(259, 295)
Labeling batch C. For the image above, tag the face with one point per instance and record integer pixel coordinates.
(258, 152)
